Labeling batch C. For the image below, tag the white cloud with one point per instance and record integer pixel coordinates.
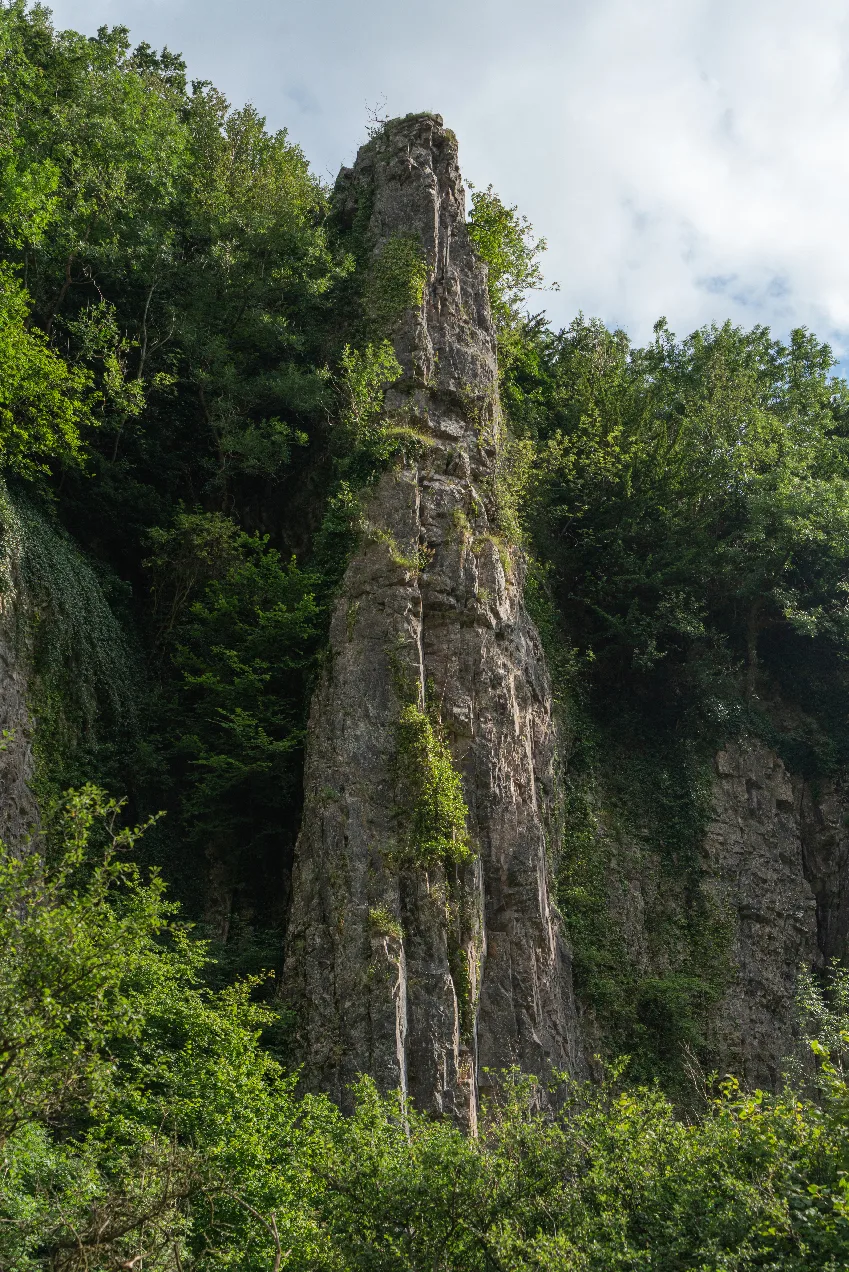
(683, 157)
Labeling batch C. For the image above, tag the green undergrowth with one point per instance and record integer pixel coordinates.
(143, 1122)
(432, 810)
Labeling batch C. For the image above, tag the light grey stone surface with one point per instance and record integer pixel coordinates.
(774, 869)
(377, 996)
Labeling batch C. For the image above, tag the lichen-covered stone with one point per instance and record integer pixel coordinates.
(427, 975)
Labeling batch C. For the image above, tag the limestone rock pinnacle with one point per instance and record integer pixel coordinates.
(428, 975)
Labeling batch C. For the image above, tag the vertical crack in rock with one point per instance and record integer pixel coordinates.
(426, 974)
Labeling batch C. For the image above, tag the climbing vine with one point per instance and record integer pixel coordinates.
(84, 687)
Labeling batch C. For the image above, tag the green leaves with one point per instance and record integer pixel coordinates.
(140, 1118)
(45, 405)
(65, 951)
(680, 485)
(240, 630)
(173, 251)
(364, 377)
(138, 1114)
(504, 240)
(432, 809)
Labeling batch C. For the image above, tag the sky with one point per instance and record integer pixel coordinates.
(685, 158)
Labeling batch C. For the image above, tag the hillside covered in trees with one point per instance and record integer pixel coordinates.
(202, 404)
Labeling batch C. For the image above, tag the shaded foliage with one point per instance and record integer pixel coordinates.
(141, 1121)
(688, 502)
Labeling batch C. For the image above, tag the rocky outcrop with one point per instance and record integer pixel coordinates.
(767, 894)
(824, 827)
(427, 975)
(755, 864)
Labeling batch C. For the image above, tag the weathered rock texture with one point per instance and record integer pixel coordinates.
(755, 867)
(774, 871)
(422, 978)
(777, 854)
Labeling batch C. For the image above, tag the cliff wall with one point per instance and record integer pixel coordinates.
(767, 893)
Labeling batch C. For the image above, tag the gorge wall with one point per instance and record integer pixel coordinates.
(776, 858)
(765, 896)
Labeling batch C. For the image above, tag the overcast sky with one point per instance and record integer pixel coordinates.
(682, 157)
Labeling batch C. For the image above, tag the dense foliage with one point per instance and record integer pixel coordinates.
(164, 393)
(687, 505)
(694, 491)
(193, 358)
(142, 1124)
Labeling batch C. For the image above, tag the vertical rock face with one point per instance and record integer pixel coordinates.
(774, 868)
(427, 974)
(755, 868)
(824, 828)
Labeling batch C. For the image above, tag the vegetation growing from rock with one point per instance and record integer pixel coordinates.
(395, 283)
(432, 810)
(194, 354)
(688, 501)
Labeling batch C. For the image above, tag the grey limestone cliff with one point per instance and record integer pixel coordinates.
(754, 867)
(775, 857)
(426, 975)
(771, 881)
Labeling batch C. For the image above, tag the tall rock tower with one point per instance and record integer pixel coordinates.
(430, 971)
